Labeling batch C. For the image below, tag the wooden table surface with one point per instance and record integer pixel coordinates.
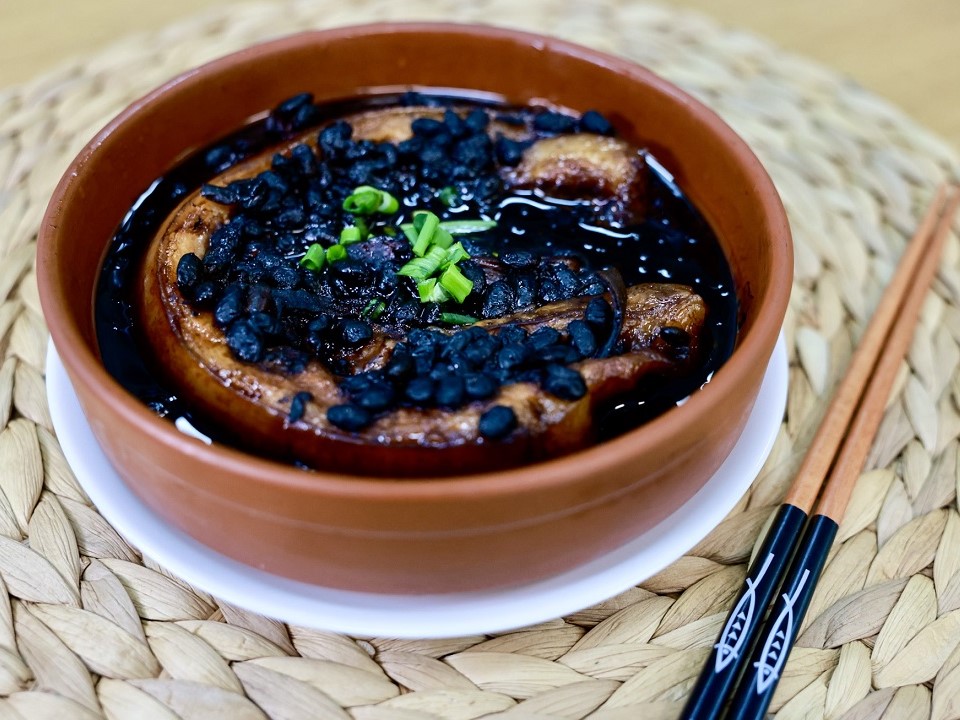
(907, 51)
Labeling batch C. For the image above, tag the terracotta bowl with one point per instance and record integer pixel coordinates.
(421, 535)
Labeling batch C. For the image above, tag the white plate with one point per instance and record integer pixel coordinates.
(422, 616)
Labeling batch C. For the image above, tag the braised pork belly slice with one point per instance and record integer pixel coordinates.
(252, 401)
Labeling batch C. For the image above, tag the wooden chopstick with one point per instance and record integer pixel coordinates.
(755, 688)
(883, 344)
(816, 463)
(853, 454)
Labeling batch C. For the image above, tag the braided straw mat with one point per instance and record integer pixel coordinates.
(89, 628)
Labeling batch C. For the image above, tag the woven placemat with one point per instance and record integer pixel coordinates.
(90, 629)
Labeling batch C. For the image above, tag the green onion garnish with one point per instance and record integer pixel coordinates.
(335, 253)
(420, 268)
(435, 250)
(431, 291)
(410, 231)
(457, 318)
(441, 238)
(389, 231)
(425, 288)
(350, 234)
(455, 253)
(456, 283)
(363, 201)
(449, 196)
(454, 227)
(362, 226)
(373, 309)
(388, 203)
(314, 258)
(366, 200)
(465, 227)
(426, 233)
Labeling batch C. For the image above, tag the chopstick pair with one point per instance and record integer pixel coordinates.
(744, 665)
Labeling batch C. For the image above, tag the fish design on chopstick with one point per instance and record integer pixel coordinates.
(734, 632)
(776, 645)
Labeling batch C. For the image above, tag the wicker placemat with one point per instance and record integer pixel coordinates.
(91, 629)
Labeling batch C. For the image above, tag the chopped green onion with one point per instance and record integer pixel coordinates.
(362, 226)
(425, 288)
(314, 258)
(449, 227)
(373, 309)
(366, 200)
(390, 231)
(431, 291)
(457, 318)
(441, 238)
(419, 217)
(420, 268)
(455, 253)
(388, 203)
(435, 250)
(421, 245)
(456, 283)
(449, 196)
(350, 234)
(410, 231)
(335, 253)
(439, 295)
(465, 227)
(426, 233)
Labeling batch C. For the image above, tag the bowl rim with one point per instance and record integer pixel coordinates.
(567, 470)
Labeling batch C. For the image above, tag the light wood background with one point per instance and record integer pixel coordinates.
(905, 50)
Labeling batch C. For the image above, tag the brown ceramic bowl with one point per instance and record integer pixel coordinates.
(420, 535)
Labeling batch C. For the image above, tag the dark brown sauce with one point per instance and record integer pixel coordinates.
(673, 243)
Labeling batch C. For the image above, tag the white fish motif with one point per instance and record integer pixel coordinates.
(774, 648)
(732, 637)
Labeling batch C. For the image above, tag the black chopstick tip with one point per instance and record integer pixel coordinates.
(761, 675)
(732, 649)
